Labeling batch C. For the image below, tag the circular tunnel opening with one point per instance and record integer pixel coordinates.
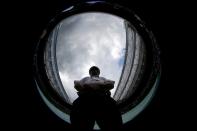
(103, 34)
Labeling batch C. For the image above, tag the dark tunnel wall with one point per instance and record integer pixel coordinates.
(22, 107)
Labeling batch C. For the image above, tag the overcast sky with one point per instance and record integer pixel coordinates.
(86, 40)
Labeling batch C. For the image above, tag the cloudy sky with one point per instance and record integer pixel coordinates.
(86, 40)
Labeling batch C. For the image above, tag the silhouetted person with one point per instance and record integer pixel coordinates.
(95, 104)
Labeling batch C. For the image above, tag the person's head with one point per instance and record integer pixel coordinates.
(94, 71)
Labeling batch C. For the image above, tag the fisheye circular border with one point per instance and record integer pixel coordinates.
(153, 69)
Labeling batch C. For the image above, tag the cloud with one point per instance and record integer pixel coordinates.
(90, 39)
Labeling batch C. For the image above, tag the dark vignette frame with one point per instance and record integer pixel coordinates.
(152, 66)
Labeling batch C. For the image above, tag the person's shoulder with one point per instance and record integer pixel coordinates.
(85, 78)
(103, 78)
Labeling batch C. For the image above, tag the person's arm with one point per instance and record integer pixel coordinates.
(105, 85)
(95, 85)
(108, 84)
(78, 86)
